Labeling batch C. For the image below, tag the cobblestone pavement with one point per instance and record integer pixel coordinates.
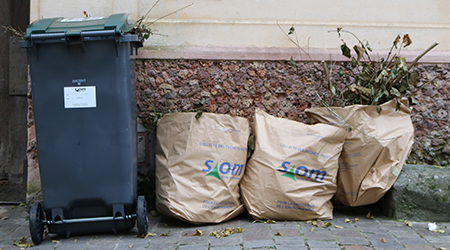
(376, 233)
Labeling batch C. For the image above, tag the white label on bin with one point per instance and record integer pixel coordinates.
(80, 97)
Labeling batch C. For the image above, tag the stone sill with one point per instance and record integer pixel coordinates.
(274, 54)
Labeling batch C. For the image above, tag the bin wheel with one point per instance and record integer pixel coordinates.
(36, 223)
(141, 215)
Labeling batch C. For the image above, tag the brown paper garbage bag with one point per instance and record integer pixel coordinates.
(292, 172)
(199, 165)
(374, 151)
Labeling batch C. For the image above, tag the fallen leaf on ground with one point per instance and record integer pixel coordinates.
(320, 224)
(215, 234)
(22, 243)
(368, 216)
(439, 231)
(149, 234)
(278, 234)
(226, 232)
(75, 241)
(356, 219)
(409, 224)
(270, 222)
(339, 227)
(312, 229)
(130, 246)
(165, 234)
(55, 241)
(383, 240)
(347, 220)
(198, 232)
(442, 248)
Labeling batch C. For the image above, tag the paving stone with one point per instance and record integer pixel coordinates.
(234, 239)
(386, 245)
(261, 233)
(321, 244)
(352, 241)
(288, 247)
(357, 247)
(438, 239)
(419, 247)
(252, 244)
(319, 235)
(194, 239)
(225, 248)
(194, 247)
(286, 233)
(347, 233)
(411, 241)
(379, 237)
(298, 241)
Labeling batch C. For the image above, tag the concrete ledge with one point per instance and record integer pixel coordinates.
(274, 54)
(421, 192)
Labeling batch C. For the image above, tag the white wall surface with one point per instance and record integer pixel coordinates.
(253, 23)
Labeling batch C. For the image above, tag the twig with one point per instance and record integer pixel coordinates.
(150, 23)
(422, 54)
(296, 44)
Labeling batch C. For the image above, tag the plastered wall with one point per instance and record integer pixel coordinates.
(254, 23)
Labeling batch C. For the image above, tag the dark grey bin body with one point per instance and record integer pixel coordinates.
(87, 155)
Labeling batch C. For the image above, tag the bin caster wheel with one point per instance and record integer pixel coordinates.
(141, 215)
(36, 223)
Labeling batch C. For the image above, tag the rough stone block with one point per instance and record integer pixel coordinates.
(421, 193)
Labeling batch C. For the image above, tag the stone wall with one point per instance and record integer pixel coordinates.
(239, 87)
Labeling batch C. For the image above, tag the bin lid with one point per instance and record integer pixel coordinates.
(74, 27)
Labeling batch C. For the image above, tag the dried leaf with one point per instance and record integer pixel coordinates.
(383, 240)
(198, 115)
(56, 241)
(379, 109)
(269, 221)
(278, 234)
(359, 51)
(396, 41)
(130, 246)
(442, 248)
(312, 229)
(3, 218)
(22, 243)
(339, 31)
(347, 220)
(149, 234)
(345, 50)
(439, 231)
(258, 221)
(409, 224)
(338, 227)
(320, 224)
(215, 234)
(406, 41)
(165, 234)
(75, 241)
(368, 216)
(198, 232)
